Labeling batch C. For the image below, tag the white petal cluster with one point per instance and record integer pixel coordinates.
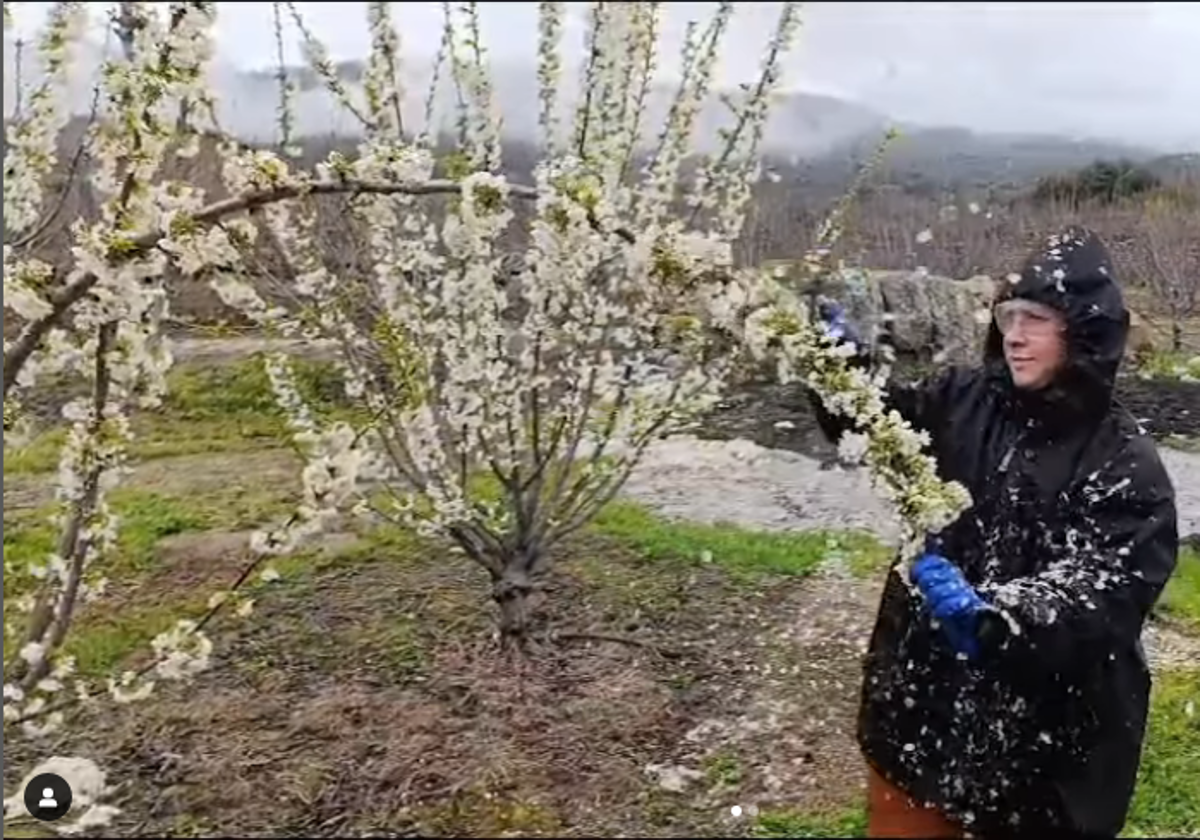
(32, 139)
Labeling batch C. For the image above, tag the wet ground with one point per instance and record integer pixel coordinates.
(779, 417)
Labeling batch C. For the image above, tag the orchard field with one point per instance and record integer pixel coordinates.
(711, 666)
(425, 484)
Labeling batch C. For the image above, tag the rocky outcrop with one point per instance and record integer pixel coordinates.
(928, 317)
(932, 317)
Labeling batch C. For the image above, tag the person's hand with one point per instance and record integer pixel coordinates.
(952, 601)
(837, 327)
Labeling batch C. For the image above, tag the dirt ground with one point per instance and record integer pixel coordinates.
(365, 698)
(778, 417)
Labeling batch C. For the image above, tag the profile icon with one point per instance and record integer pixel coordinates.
(48, 797)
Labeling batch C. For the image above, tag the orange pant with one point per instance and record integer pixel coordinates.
(892, 813)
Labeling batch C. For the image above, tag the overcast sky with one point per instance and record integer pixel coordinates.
(1126, 71)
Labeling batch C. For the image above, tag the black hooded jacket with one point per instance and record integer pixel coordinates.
(1072, 532)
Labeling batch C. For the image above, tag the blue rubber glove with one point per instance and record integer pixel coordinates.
(833, 316)
(952, 601)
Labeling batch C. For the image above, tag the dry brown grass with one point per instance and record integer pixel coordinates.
(365, 696)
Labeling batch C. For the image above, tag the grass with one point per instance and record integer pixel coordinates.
(1181, 599)
(145, 519)
(210, 409)
(1167, 364)
(744, 554)
(846, 823)
(104, 637)
(1167, 803)
(1181, 443)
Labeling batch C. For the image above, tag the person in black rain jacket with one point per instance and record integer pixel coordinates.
(1007, 689)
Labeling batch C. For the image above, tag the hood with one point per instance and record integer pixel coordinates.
(1073, 273)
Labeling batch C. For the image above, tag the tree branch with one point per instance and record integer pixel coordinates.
(51, 617)
(62, 300)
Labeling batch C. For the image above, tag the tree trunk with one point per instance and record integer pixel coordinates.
(511, 592)
(1176, 335)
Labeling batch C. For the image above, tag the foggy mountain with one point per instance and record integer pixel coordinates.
(943, 157)
(1181, 169)
(803, 126)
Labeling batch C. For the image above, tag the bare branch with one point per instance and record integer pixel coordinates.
(1172, 245)
(18, 80)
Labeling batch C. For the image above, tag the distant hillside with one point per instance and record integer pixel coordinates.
(820, 140)
(945, 158)
(802, 123)
(1177, 169)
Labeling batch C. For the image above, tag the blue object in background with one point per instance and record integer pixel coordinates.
(837, 327)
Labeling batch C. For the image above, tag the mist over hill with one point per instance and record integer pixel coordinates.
(820, 138)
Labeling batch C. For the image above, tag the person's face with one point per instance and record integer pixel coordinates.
(1035, 342)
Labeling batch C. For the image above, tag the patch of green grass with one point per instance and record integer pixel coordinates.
(478, 814)
(1168, 364)
(24, 543)
(723, 770)
(745, 554)
(392, 626)
(383, 542)
(236, 507)
(220, 408)
(38, 455)
(103, 637)
(148, 517)
(868, 557)
(1183, 443)
(1167, 803)
(390, 641)
(165, 437)
(663, 809)
(1181, 598)
(848, 823)
(190, 825)
(145, 518)
(453, 589)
